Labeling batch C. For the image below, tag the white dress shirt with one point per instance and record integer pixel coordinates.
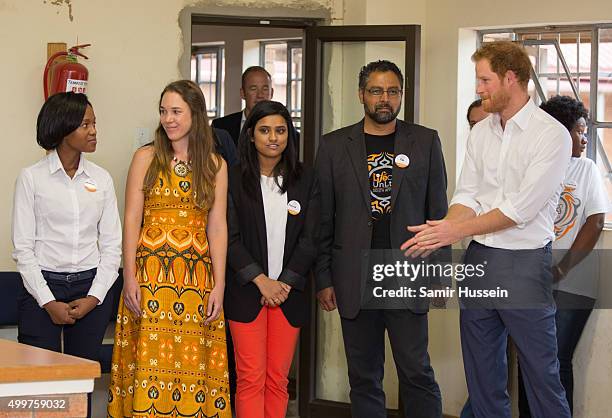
(65, 225)
(518, 170)
(275, 210)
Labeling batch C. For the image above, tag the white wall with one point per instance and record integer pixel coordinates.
(136, 52)
(131, 59)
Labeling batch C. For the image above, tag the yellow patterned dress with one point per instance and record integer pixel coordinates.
(167, 363)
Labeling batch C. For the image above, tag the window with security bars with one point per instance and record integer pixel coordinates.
(574, 61)
(207, 70)
(283, 60)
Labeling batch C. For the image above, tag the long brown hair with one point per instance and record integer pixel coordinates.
(201, 147)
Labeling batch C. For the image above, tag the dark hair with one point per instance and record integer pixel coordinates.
(475, 103)
(288, 166)
(566, 110)
(504, 56)
(59, 116)
(380, 66)
(254, 69)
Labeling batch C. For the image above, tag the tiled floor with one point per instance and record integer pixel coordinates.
(100, 398)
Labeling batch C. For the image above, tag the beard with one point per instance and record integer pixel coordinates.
(496, 102)
(382, 112)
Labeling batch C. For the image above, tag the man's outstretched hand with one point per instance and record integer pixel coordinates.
(429, 237)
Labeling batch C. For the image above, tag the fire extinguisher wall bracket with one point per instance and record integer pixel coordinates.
(65, 74)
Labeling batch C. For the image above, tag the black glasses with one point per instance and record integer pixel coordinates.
(377, 91)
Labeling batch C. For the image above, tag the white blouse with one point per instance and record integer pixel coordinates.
(65, 225)
(275, 209)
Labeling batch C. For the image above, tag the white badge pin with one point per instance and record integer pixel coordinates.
(294, 207)
(402, 160)
(90, 186)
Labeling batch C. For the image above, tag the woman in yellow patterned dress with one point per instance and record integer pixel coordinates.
(169, 358)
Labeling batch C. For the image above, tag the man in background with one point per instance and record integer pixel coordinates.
(476, 113)
(256, 87)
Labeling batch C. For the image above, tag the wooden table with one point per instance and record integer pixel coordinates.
(42, 383)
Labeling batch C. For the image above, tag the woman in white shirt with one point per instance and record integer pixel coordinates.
(273, 217)
(580, 219)
(66, 234)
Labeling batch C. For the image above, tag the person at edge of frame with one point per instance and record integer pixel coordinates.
(580, 219)
(509, 208)
(66, 234)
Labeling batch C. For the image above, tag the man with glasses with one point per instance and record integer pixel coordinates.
(376, 177)
(256, 87)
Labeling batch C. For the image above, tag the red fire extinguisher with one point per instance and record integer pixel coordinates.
(66, 74)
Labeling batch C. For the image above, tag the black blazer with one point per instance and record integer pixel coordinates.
(418, 193)
(231, 124)
(247, 255)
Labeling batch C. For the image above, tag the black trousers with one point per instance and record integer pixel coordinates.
(82, 339)
(364, 343)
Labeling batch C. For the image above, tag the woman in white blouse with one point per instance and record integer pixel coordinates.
(66, 233)
(273, 218)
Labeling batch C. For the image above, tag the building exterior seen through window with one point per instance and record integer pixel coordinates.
(207, 70)
(283, 60)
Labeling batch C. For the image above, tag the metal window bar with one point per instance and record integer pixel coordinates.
(290, 47)
(291, 44)
(560, 59)
(593, 125)
(595, 145)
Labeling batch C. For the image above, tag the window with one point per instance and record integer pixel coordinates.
(207, 70)
(283, 60)
(574, 61)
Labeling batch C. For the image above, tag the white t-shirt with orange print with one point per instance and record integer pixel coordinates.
(583, 195)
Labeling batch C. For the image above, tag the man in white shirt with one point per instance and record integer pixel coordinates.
(506, 198)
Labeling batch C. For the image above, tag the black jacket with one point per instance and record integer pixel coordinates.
(231, 124)
(225, 146)
(418, 193)
(248, 251)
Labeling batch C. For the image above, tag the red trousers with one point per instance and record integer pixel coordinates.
(263, 349)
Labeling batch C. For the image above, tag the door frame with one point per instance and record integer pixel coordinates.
(309, 405)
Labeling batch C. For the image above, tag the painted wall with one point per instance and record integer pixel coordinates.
(135, 53)
(131, 60)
